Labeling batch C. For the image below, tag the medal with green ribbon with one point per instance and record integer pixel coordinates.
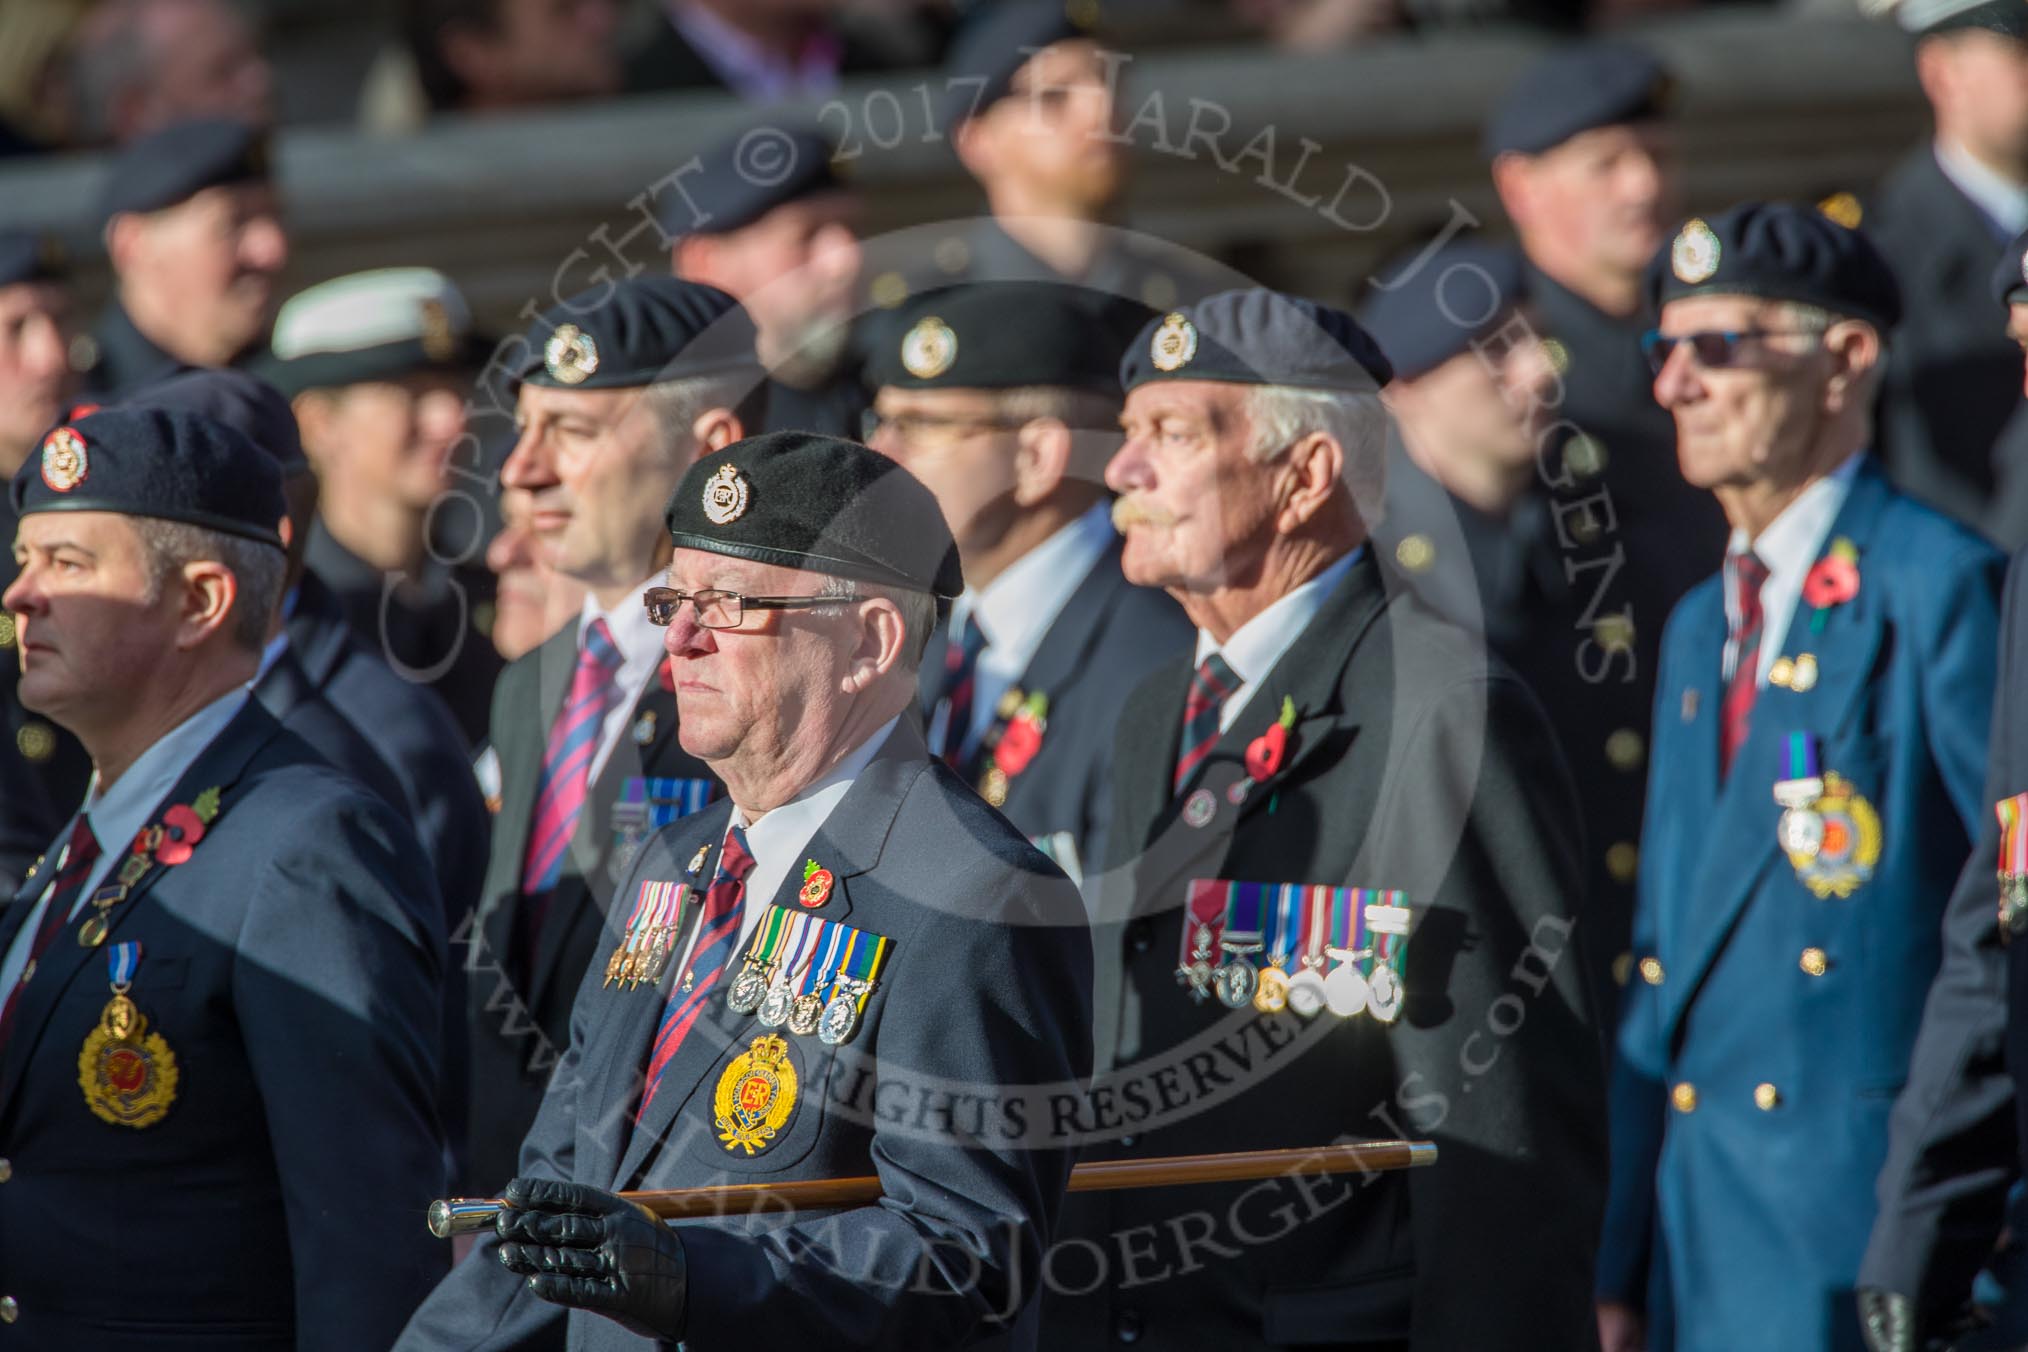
(856, 973)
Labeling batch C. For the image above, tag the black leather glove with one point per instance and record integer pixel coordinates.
(586, 1248)
(1887, 1320)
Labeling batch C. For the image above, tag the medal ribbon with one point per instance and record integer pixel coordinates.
(122, 961)
(1316, 922)
(1390, 932)
(646, 905)
(2013, 813)
(1243, 906)
(1801, 757)
(862, 960)
(800, 947)
(1288, 920)
(832, 938)
(768, 936)
(1207, 911)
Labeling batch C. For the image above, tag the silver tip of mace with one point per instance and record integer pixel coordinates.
(462, 1216)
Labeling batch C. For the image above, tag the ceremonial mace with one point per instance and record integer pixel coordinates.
(460, 1215)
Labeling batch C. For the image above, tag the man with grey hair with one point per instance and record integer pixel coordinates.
(138, 66)
(620, 389)
(1338, 899)
(222, 900)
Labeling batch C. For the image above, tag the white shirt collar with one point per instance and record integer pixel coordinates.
(1789, 546)
(2002, 199)
(1257, 645)
(640, 643)
(118, 814)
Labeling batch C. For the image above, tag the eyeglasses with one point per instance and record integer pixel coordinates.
(1712, 348)
(725, 609)
(924, 427)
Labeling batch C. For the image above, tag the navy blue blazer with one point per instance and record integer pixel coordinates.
(983, 1009)
(1769, 1030)
(293, 965)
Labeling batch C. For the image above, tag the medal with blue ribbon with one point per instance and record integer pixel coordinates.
(128, 1074)
(1800, 831)
(1360, 934)
(807, 1009)
(1271, 994)
(858, 972)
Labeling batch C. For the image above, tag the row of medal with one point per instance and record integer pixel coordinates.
(1296, 946)
(650, 941)
(2013, 870)
(647, 804)
(808, 974)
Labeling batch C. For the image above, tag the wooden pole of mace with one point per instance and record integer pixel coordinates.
(457, 1216)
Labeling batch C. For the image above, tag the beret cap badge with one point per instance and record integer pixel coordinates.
(570, 355)
(438, 342)
(726, 496)
(64, 464)
(1174, 343)
(928, 349)
(1694, 255)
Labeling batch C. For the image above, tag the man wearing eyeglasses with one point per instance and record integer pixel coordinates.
(853, 968)
(1820, 745)
(621, 388)
(1003, 397)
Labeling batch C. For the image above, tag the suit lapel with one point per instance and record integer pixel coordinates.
(1064, 655)
(533, 686)
(219, 765)
(849, 843)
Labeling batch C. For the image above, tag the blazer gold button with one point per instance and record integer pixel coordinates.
(1766, 1097)
(1651, 971)
(1684, 1097)
(1623, 861)
(6, 1171)
(1623, 967)
(9, 1310)
(1624, 750)
(1814, 961)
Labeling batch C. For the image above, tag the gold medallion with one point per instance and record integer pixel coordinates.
(128, 1074)
(93, 932)
(570, 355)
(804, 1015)
(755, 1095)
(928, 349)
(1271, 996)
(725, 496)
(1847, 842)
(1174, 343)
(993, 786)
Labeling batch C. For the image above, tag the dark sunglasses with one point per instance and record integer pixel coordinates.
(1712, 348)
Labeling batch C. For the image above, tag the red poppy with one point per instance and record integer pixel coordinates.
(1833, 581)
(666, 674)
(816, 889)
(1018, 744)
(182, 828)
(1264, 753)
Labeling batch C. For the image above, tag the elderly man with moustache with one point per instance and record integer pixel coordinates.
(853, 916)
(1344, 854)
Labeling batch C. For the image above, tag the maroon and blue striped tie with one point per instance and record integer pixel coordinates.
(77, 860)
(717, 931)
(1213, 682)
(961, 667)
(566, 765)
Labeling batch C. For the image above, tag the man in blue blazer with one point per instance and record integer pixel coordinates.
(1004, 398)
(852, 968)
(1820, 740)
(220, 991)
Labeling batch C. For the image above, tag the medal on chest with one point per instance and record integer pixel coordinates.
(128, 1073)
(1828, 830)
(1338, 948)
(2013, 870)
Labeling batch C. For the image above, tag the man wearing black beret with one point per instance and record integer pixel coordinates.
(195, 235)
(221, 902)
(1003, 397)
(40, 766)
(1820, 748)
(850, 958)
(1343, 849)
(1952, 430)
(779, 237)
(619, 390)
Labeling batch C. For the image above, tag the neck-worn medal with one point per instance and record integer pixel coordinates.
(2013, 814)
(128, 1074)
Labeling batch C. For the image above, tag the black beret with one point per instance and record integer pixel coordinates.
(2010, 274)
(1003, 335)
(168, 464)
(996, 43)
(820, 503)
(175, 164)
(638, 332)
(1777, 251)
(1258, 337)
(1428, 310)
(1576, 89)
(744, 177)
(26, 256)
(244, 402)
(1930, 18)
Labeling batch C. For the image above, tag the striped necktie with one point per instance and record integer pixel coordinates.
(717, 931)
(78, 857)
(1747, 575)
(1213, 682)
(961, 666)
(566, 765)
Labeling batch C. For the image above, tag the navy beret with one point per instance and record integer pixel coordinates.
(1435, 308)
(1576, 89)
(638, 332)
(1258, 337)
(996, 43)
(168, 464)
(26, 256)
(819, 503)
(1929, 18)
(2010, 274)
(1777, 251)
(175, 164)
(1003, 335)
(244, 402)
(744, 177)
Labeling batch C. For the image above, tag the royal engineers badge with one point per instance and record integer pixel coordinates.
(726, 496)
(64, 462)
(928, 349)
(570, 355)
(128, 1074)
(1694, 255)
(755, 1095)
(1174, 343)
(1848, 842)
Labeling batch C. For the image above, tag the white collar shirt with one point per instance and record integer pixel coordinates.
(1255, 647)
(640, 645)
(1789, 547)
